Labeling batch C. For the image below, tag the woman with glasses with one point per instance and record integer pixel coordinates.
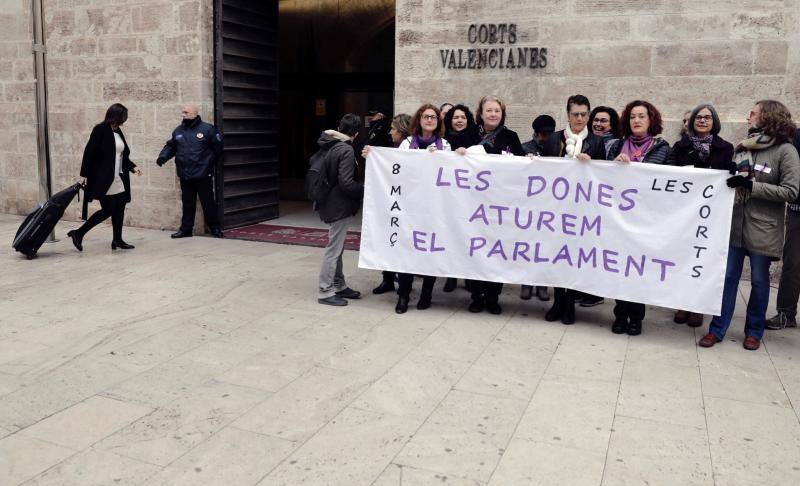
(604, 122)
(701, 147)
(641, 127)
(767, 177)
(427, 131)
(576, 142)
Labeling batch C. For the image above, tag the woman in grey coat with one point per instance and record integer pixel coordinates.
(768, 176)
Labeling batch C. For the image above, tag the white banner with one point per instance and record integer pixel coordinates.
(639, 232)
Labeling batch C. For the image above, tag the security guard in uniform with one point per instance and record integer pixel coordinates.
(196, 146)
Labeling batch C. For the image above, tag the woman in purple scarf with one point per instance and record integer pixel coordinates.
(702, 147)
(640, 126)
(427, 130)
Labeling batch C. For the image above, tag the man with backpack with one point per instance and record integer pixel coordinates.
(331, 184)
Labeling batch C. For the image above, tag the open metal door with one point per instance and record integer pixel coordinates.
(246, 109)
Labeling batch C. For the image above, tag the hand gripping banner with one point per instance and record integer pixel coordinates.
(638, 232)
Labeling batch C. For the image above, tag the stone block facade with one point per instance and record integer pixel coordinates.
(152, 56)
(674, 53)
(19, 186)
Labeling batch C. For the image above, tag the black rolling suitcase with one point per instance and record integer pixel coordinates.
(40, 223)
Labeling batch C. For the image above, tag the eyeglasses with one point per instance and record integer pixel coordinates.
(704, 117)
(429, 117)
(579, 114)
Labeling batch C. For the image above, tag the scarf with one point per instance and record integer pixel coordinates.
(574, 142)
(743, 158)
(636, 147)
(489, 140)
(702, 145)
(465, 138)
(418, 142)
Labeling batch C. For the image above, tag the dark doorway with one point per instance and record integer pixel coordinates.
(246, 109)
(336, 56)
(284, 71)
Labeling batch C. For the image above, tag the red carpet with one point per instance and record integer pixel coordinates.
(291, 235)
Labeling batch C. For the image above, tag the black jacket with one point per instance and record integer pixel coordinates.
(797, 146)
(658, 153)
(99, 160)
(720, 157)
(378, 135)
(502, 140)
(346, 194)
(532, 146)
(196, 148)
(464, 139)
(592, 146)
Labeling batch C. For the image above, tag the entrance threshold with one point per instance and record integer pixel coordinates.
(299, 224)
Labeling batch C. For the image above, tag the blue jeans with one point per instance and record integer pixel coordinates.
(759, 294)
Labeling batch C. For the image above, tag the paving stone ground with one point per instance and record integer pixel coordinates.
(206, 361)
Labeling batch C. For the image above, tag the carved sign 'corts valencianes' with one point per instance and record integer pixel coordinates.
(509, 57)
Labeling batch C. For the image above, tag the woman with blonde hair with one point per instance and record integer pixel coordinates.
(496, 138)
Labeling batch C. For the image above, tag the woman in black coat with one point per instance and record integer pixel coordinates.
(702, 147)
(495, 139)
(105, 168)
(460, 128)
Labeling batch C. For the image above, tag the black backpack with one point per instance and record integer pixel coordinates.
(317, 185)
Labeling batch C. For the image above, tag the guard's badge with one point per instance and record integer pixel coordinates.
(199, 135)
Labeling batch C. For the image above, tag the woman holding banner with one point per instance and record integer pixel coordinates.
(461, 129)
(496, 138)
(641, 127)
(576, 142)
(461, 132)
(400, 129)
(701, 147)
(427, 129)
(767, 177)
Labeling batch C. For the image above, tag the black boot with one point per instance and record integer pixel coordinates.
(450, 284)
(121, 245)
(493, 307)
(620, 325)
(556, 312)
(635, 327)
(477, 303)
(385, 286)
(402, 304)
(77, 239)
(424, 301)
(568, 315)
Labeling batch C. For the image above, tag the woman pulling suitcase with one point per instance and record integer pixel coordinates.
(106, 166)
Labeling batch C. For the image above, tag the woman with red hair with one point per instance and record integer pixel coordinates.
(641, 127)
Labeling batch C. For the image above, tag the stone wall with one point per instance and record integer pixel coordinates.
(19, 186)
(152, 56)
(674, 53)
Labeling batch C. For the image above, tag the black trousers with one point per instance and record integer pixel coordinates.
(110, 207)
(629, 310)
(405, 280)
(564, 297)
(190, 190)
(490, 291)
